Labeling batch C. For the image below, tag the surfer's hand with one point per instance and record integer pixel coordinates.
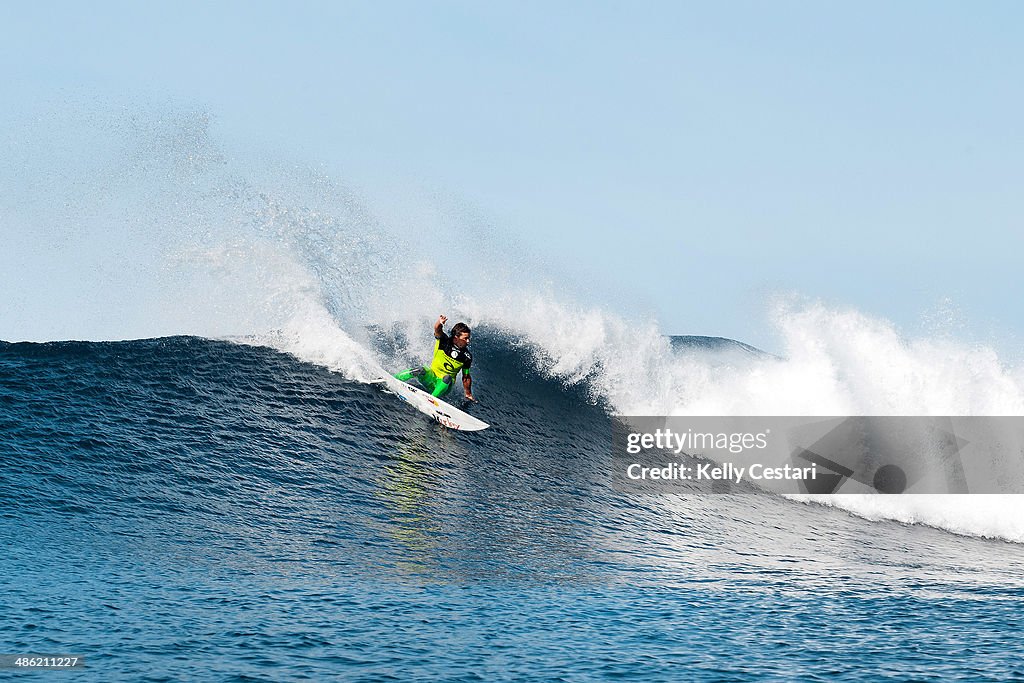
(441, 320)
(469, 397)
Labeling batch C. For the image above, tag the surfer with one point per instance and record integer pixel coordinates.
(451, 355)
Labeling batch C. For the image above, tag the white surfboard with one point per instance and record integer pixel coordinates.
(445, 413)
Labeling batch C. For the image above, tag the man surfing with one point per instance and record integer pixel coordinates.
(451, 356)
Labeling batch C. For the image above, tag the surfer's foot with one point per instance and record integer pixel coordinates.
(407, 375)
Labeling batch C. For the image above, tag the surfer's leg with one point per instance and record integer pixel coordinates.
(427, 379)
(443, 386)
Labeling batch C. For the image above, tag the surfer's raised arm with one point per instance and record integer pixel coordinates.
(439, 326)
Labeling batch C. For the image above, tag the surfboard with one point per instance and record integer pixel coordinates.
(445, 413)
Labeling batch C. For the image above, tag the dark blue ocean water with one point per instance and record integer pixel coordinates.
(183, 509)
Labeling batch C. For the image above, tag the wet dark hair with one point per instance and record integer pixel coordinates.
(459, 328)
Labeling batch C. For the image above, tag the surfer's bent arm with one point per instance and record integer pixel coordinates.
(439, 326)
(466, 386)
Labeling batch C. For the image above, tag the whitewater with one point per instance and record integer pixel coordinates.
(211, 442)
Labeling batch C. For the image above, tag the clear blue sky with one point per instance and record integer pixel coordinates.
(695, 156)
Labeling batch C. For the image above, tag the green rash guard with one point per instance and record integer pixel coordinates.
(448, 361)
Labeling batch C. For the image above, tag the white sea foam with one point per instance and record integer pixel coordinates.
(984, 516)
(833, 362)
